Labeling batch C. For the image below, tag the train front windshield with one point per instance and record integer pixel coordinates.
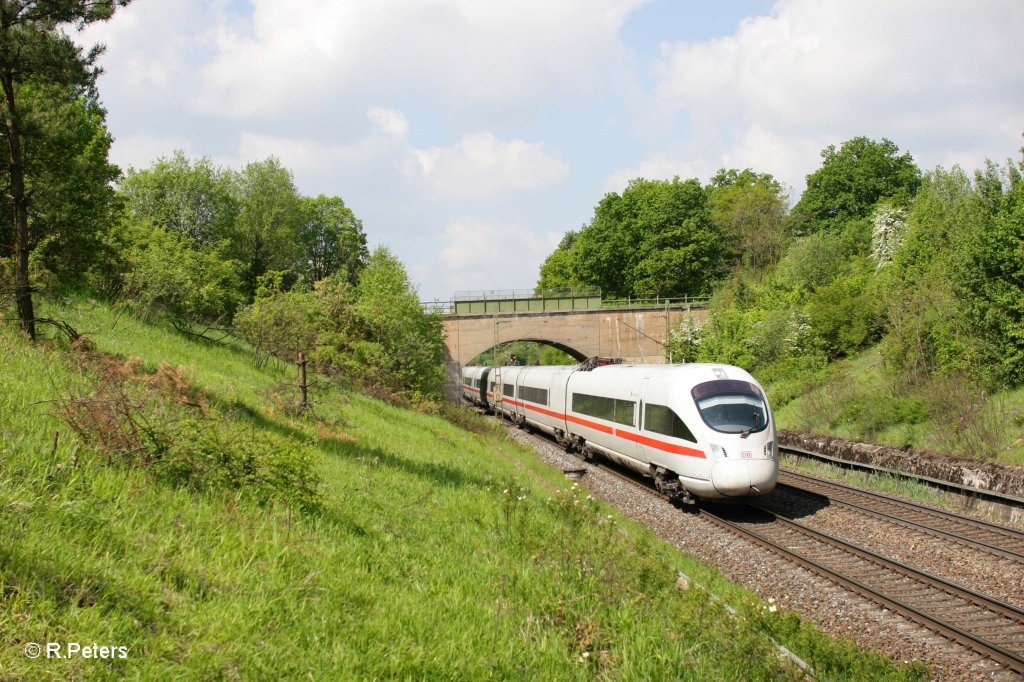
(731, 406)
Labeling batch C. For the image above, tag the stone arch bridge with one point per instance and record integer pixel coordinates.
(633, 333)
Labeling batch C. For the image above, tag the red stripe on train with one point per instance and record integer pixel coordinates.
(660, 445)
(625, 435)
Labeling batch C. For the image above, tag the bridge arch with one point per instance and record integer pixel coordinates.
(503, 348)
(636, 334)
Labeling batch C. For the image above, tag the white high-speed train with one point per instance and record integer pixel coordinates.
(701, 431)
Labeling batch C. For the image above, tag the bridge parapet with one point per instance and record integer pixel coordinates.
(530, 300)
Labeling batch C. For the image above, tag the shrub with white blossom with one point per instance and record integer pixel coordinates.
(889, 229)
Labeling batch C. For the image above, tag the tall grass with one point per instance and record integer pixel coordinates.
(435, 553)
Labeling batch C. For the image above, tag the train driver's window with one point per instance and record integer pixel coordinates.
(731, 406)
(661, 419)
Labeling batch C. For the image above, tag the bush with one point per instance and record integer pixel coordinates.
(226, 455)
(842, 315)
(278, 323)
(375, 333)
(968, 424)
(167, 274)
(161, 423)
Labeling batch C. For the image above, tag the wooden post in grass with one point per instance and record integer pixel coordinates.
(302, 381)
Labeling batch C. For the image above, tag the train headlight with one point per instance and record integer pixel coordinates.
(769, 450)
(718, 452)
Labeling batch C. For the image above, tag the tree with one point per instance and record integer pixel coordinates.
(193, 199)
(332, 240)
(266, 233)
(35, 49)
(750, 210)
(602, 250)
(852, 180)
(556, 270)
(656, 239)
(68, 177)
(400, 347)
(989, 271)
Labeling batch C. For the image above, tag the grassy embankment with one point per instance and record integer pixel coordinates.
(430, 551)
(856, 399)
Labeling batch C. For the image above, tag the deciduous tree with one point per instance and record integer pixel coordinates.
(194, 199)
(750, 211)
(266, 233)
(332, 240)
(655, 239)
(852, 180)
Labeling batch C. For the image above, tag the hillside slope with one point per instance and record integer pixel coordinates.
(412, 548)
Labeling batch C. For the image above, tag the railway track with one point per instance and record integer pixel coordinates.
(988, 537)
(985, 625)
(990, 627)
(1008, 503)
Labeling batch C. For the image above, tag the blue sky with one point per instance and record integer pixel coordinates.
(470, 135)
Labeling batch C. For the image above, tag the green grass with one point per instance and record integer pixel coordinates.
(855, 399)
(437, 552)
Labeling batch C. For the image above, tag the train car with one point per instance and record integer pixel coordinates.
(476, 385)
(505, 403)
(701, 431)
(540, 398)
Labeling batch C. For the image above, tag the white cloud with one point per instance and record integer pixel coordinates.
(471, 248)
(812, 74)
(297, 54)
(480, 166)
(140, 150)
(410, 109)
(389, 122)
(477, 167)
(659, 167)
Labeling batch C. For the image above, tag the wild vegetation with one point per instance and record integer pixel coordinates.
(162, 493)
(885, 305)
(163, 488)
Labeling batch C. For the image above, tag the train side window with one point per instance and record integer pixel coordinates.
(661, 419)
(509, 390)
(534, 395)
(610, 409)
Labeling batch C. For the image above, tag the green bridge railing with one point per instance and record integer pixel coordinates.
(532, 300)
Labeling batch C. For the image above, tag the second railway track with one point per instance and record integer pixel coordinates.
(990, 627)
(988, 537)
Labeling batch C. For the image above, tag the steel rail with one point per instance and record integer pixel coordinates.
(981, 606)
(1013, 659)
(972, 532)
(949, 486)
